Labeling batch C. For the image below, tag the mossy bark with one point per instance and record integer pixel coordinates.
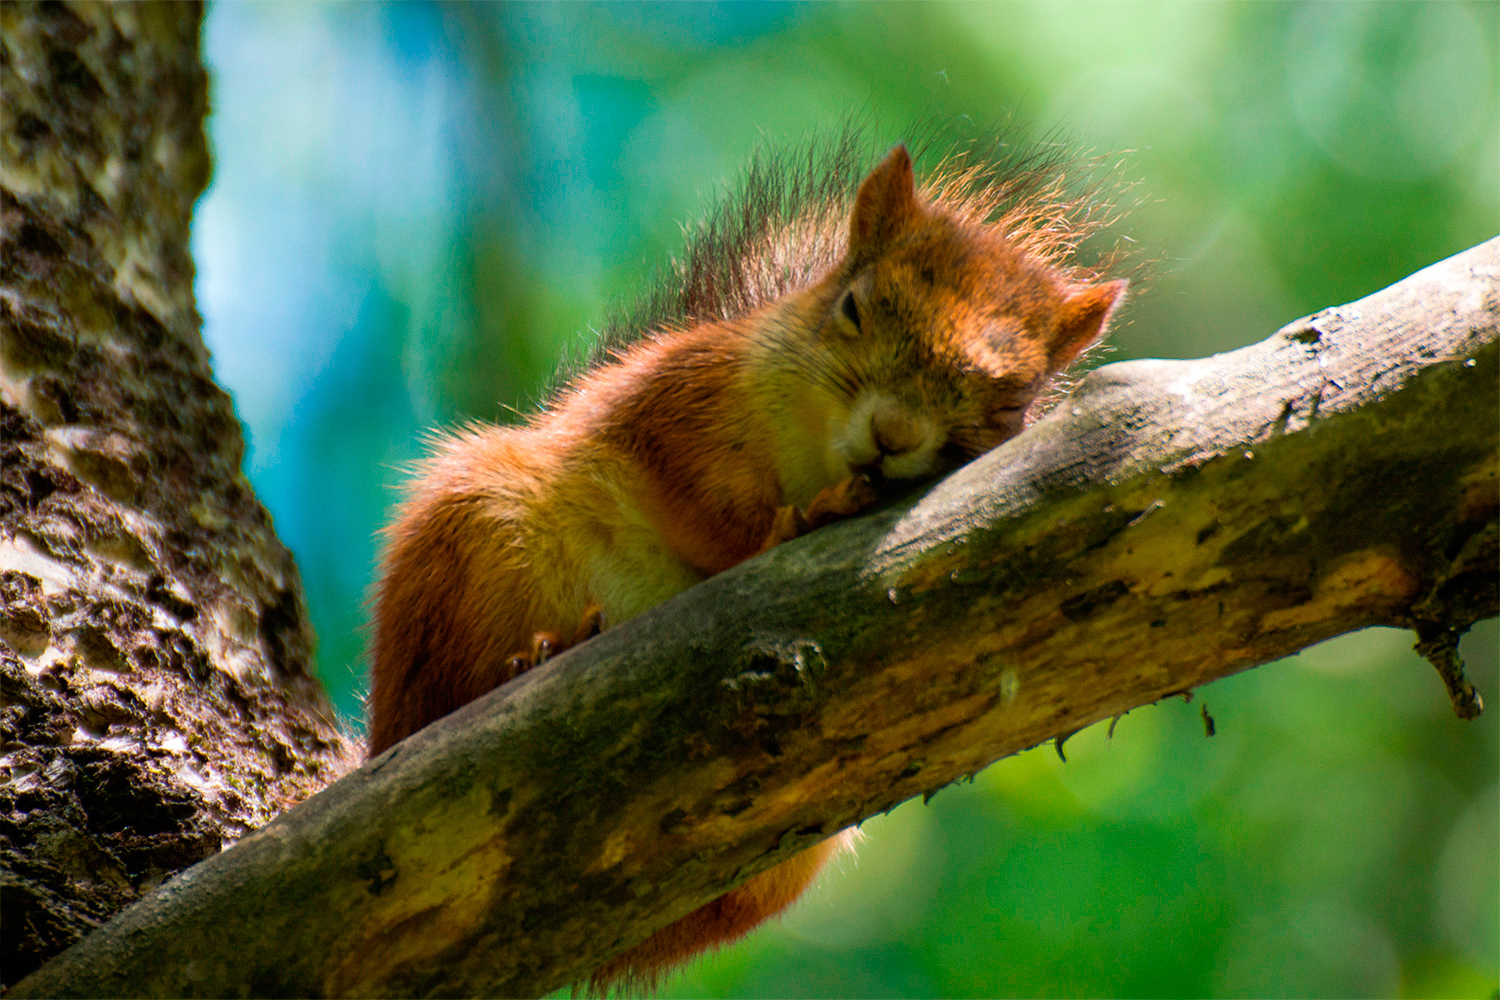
(158, 699)
(1171, 523)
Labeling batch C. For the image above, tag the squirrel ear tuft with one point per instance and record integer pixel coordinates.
(886, 205)
(1081, 320)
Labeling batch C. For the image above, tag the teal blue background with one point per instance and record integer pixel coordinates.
(417, 208)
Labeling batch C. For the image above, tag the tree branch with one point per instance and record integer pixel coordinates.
(1171, 523)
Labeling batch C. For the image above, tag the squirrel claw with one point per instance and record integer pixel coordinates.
(591, 625)
(517, 665)
(545, 645)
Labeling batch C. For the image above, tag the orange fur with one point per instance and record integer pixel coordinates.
(720, 922)
(694, 448)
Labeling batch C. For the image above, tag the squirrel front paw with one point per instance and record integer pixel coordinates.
(843, 499)
(789, 523)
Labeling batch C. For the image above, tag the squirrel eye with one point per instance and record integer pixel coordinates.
(1006, 414)
(849, 309)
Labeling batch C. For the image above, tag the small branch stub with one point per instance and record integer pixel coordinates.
(1438, 645)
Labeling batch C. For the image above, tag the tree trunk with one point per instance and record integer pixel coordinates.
(159, 700)
(1171, 523)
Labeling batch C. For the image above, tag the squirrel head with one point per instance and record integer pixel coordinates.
(936, 334)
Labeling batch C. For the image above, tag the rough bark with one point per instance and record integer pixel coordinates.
(158, 699)
(1171, 523)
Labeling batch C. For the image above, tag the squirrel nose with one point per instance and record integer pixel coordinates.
(894, 432)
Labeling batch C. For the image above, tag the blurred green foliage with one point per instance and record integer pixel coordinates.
(418, 208)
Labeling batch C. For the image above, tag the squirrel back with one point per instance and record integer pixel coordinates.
(818, 342)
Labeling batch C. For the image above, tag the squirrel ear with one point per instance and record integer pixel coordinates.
(1081, 320)
(886, 204)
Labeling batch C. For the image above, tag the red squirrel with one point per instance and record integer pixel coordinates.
(920, 339)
